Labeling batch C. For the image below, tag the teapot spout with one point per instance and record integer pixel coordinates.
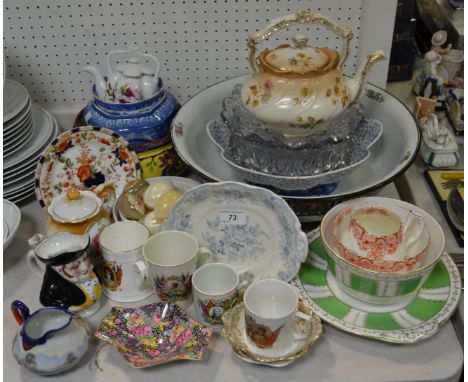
(357, 84)
(99, 81)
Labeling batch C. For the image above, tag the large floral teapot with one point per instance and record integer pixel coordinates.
(296, 87)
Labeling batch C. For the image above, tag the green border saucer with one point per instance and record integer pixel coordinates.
(399, 323)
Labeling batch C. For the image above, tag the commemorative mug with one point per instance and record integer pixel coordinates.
(125, 274)
(271, 310)
(216, 288)
(172, 257)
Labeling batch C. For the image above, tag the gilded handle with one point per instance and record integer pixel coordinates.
(301, 17)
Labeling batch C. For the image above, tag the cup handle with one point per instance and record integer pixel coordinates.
(245, 279)
(308, 319)
(142, 272)
(205, 256)
(32, 262)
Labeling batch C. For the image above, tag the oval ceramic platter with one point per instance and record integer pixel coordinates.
(389, 157)
(86, 157)
(248, 227)
(420, 319)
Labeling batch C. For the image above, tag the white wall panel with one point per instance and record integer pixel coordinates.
(199, 42)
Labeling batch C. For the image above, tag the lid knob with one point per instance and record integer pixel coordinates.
(299, 41)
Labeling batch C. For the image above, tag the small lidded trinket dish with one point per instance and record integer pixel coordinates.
(69, 281)
(439, 147)
(75, 206)
(154, 334)
(50, 340)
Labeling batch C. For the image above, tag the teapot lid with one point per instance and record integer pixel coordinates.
(75, 206)
(133, 68)
(298, 59)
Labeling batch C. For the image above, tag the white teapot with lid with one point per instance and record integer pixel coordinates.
(130, 81)
(295, 87)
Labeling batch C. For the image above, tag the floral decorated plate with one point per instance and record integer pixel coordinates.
(248, 227)
(153, 334)
(415, 321)
(84, 157)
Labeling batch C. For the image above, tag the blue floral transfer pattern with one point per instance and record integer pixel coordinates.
(277, 236)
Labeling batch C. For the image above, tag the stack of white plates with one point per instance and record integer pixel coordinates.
(27, 130)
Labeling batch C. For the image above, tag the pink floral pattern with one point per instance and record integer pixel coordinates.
(154, 334)
(376, 247)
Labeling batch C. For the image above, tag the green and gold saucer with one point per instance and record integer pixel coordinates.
(399, 323)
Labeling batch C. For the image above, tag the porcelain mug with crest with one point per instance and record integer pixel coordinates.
(126, 278)
(172, 257)
(271, 311)
(50, 340)
(296, 87)
(68, 278)
(216, 289)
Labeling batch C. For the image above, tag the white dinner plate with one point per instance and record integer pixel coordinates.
(14, 124)
(43, 129)
(15, 99)
(19, 141)
(390, 156)
(33, 159)
(10, 131)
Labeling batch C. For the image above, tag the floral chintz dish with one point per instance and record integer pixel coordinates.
(153, 334)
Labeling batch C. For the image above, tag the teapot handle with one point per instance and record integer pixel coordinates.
(20, 311)
(301, 17)
(133, 51)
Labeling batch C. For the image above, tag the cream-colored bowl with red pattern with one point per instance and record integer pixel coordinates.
(367, 261)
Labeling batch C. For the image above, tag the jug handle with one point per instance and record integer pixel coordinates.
(301, 17)
(20, 311)
(133, 51)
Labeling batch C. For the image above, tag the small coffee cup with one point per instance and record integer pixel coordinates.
(271, 309)
(126, 278)
(215, 290)
(172, 257)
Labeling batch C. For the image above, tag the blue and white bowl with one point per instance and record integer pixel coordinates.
(322, 184)
(145, 124)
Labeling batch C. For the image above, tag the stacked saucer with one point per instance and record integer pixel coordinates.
(234, 333)
(27, 130)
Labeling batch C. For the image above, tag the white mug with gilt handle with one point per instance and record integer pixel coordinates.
(126, 278)
(172, 257)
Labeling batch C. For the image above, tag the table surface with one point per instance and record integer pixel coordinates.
(336, 356)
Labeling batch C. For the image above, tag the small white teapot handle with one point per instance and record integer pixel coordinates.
(133, 51)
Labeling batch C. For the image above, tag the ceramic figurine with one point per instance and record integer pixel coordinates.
(50, 340)
(438, 39)
(432, 83)
(69, 281)
(131, 101)
(439, 147)
(295, 87)
(455, 107)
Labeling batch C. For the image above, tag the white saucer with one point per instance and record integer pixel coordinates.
(234, 333)
(12, 218)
